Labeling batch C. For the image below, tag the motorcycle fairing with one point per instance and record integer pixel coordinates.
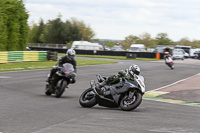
(102, 101)
(116, 93)
(127, 85)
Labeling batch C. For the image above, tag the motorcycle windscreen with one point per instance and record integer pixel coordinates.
(67, 67)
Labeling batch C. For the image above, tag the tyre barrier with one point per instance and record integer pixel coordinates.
(22, 56)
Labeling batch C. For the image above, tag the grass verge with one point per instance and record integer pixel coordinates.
(46, 65)
(113, 57)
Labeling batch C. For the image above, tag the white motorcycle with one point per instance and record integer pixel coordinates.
(169, 62)
(125, 95)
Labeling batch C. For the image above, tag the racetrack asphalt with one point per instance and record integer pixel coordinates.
(26, 109)
(186, 91)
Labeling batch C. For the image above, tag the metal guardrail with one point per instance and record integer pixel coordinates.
(44, 45)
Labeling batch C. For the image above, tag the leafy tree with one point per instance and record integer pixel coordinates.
(74, 34)
(60, 32)
(162, 39)
(184, 41)
(108, 43)
(146, 39)
(13, 25)
(55, 31)
(86, 31)
(33, 33)
(130, 40)
(195, 44)
(40, 32)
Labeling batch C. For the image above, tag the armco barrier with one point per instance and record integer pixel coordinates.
(3, 57)
(109, 53)
(20, 56)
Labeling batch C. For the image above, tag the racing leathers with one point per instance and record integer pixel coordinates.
(114, 79)
(166, 57)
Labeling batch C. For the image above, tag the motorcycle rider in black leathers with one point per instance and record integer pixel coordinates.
(68, 58)
(128, 74)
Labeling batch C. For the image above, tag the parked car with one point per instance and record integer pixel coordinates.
(196, 54)
(178, 54)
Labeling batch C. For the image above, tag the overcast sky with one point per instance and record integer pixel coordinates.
(117, 19)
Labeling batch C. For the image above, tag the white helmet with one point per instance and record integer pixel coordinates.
(134, 69)
(70, 54)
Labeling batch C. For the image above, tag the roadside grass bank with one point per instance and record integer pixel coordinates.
(19, 66)
(113, 57)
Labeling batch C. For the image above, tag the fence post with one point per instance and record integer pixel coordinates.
(52, 55)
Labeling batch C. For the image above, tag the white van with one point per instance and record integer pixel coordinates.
(137, 48)
(85, 45)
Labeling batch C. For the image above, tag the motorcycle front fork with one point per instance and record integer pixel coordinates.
(131, 94)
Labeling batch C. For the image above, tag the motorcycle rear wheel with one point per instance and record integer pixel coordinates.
(62, 84)
(87, 100)
(128, 104)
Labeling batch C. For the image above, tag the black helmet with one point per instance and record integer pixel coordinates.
(134, 69)
(70, 54)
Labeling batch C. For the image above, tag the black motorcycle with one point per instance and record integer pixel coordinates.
(126, 95)
(60, 80)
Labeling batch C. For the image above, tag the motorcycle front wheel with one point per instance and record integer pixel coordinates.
(128, 104)
(47, 90)
(60, 88)
(87, 98)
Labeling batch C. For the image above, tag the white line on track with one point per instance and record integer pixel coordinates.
(174, 83)
(4, 77)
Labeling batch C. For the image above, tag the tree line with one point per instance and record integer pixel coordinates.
(58, 32)
(148, 41)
